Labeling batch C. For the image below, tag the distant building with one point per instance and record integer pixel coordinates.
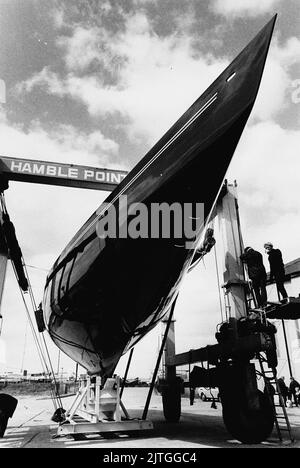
(292, 327)
(11, 377)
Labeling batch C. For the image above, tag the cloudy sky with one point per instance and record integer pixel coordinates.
(98, 83)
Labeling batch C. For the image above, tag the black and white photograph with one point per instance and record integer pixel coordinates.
(149, 226)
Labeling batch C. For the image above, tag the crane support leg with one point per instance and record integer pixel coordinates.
(171, 386)
(247, 412)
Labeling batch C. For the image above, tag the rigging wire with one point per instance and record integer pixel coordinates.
(32, 327)
(227, 307)
(41, 352)
(218, 283)
(34, 306)
(36, 268)
(24, 348)
(39, 343)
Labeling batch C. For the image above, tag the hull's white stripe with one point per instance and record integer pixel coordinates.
(177, 134)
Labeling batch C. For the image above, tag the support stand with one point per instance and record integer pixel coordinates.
(97, 410)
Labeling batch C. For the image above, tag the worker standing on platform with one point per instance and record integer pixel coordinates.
(276, 269)
(257, 274)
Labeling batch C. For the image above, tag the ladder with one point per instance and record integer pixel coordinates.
(250, 298)
(280, 414)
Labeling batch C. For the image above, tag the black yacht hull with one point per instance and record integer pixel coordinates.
(103, 295)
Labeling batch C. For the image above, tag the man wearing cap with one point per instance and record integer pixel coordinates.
(257, 274)
(276, 268)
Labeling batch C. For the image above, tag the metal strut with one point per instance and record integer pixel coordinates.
(145, 412)
(126, 372)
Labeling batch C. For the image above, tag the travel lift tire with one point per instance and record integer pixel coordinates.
(247, 425)
(8, 405)
(248, 413)
(3, 423)
(171, 400)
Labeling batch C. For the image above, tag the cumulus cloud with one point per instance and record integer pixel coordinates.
(62, 143)
(82, 47)
(45, 78)
(244, 7)
(153, 76)
(275, 89)
(266, 165)
(156, 79)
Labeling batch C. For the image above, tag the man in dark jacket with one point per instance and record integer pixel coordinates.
(294, 389)
(276, 268)
(283, 389)
(257, 274)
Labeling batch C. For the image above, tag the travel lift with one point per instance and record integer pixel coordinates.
(248, 413)
(245, 338)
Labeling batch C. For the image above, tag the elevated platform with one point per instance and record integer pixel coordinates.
(290, 310)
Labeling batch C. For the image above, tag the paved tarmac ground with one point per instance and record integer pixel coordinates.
(200, 426)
